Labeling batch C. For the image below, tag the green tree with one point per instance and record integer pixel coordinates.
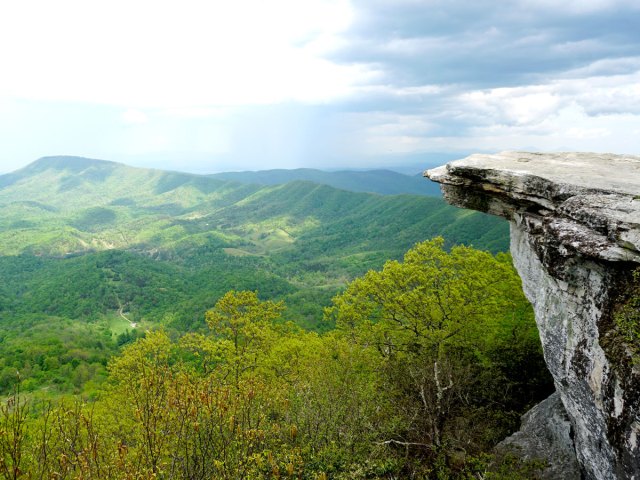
(245, 322)
(13, 415)
(434, 319)
(143, 375)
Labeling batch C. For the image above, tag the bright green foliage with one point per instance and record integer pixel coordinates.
(66, 206)
(65, 355)
(437, 321)
(427, 371)
(243, 320)
(431, 299)
(13, 415)
(434, 359)
(90, 247)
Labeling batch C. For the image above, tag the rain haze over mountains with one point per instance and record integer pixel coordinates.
(208, 87)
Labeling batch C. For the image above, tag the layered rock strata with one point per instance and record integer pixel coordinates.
(575, 240)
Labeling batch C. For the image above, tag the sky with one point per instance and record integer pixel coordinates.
(211, 85)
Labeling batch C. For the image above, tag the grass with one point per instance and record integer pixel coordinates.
(117, 324)
(236, 252)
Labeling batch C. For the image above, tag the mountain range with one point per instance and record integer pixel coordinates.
(98, 249)
(386, 182)
(64, 205)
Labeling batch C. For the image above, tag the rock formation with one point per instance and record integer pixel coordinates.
(575, 240)
(546, 433)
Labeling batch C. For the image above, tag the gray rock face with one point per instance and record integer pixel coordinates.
(575, 239)
(546, 434)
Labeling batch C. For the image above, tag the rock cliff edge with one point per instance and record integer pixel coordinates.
(575, 240)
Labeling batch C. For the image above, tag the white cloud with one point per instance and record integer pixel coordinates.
(578, 6)
(584, 133)
(151, 53)
(606, 67)
(286, 82)
(133, 117)
(521, 105)
(569, 129)
(196, 112)
(607, 95)
(530, 105)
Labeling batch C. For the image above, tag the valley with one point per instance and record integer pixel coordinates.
(123, 288)
(83, 241)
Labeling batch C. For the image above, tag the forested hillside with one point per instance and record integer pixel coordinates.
(386, 182)
(110, 245)
(63, 205)
(432, 362)
(109, 274)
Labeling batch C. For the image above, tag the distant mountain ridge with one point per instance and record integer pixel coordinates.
(381, 181)
(72, 163)
(77, 182)
(299, 241)
(60, 205)
(385, 182)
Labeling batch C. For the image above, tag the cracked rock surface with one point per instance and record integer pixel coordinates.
(575, 240)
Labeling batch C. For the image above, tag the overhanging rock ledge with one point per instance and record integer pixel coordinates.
(575, 240)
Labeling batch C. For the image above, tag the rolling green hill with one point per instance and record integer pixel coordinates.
(63, 205)
(66, 206)
(96, 248)
(385, 182)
